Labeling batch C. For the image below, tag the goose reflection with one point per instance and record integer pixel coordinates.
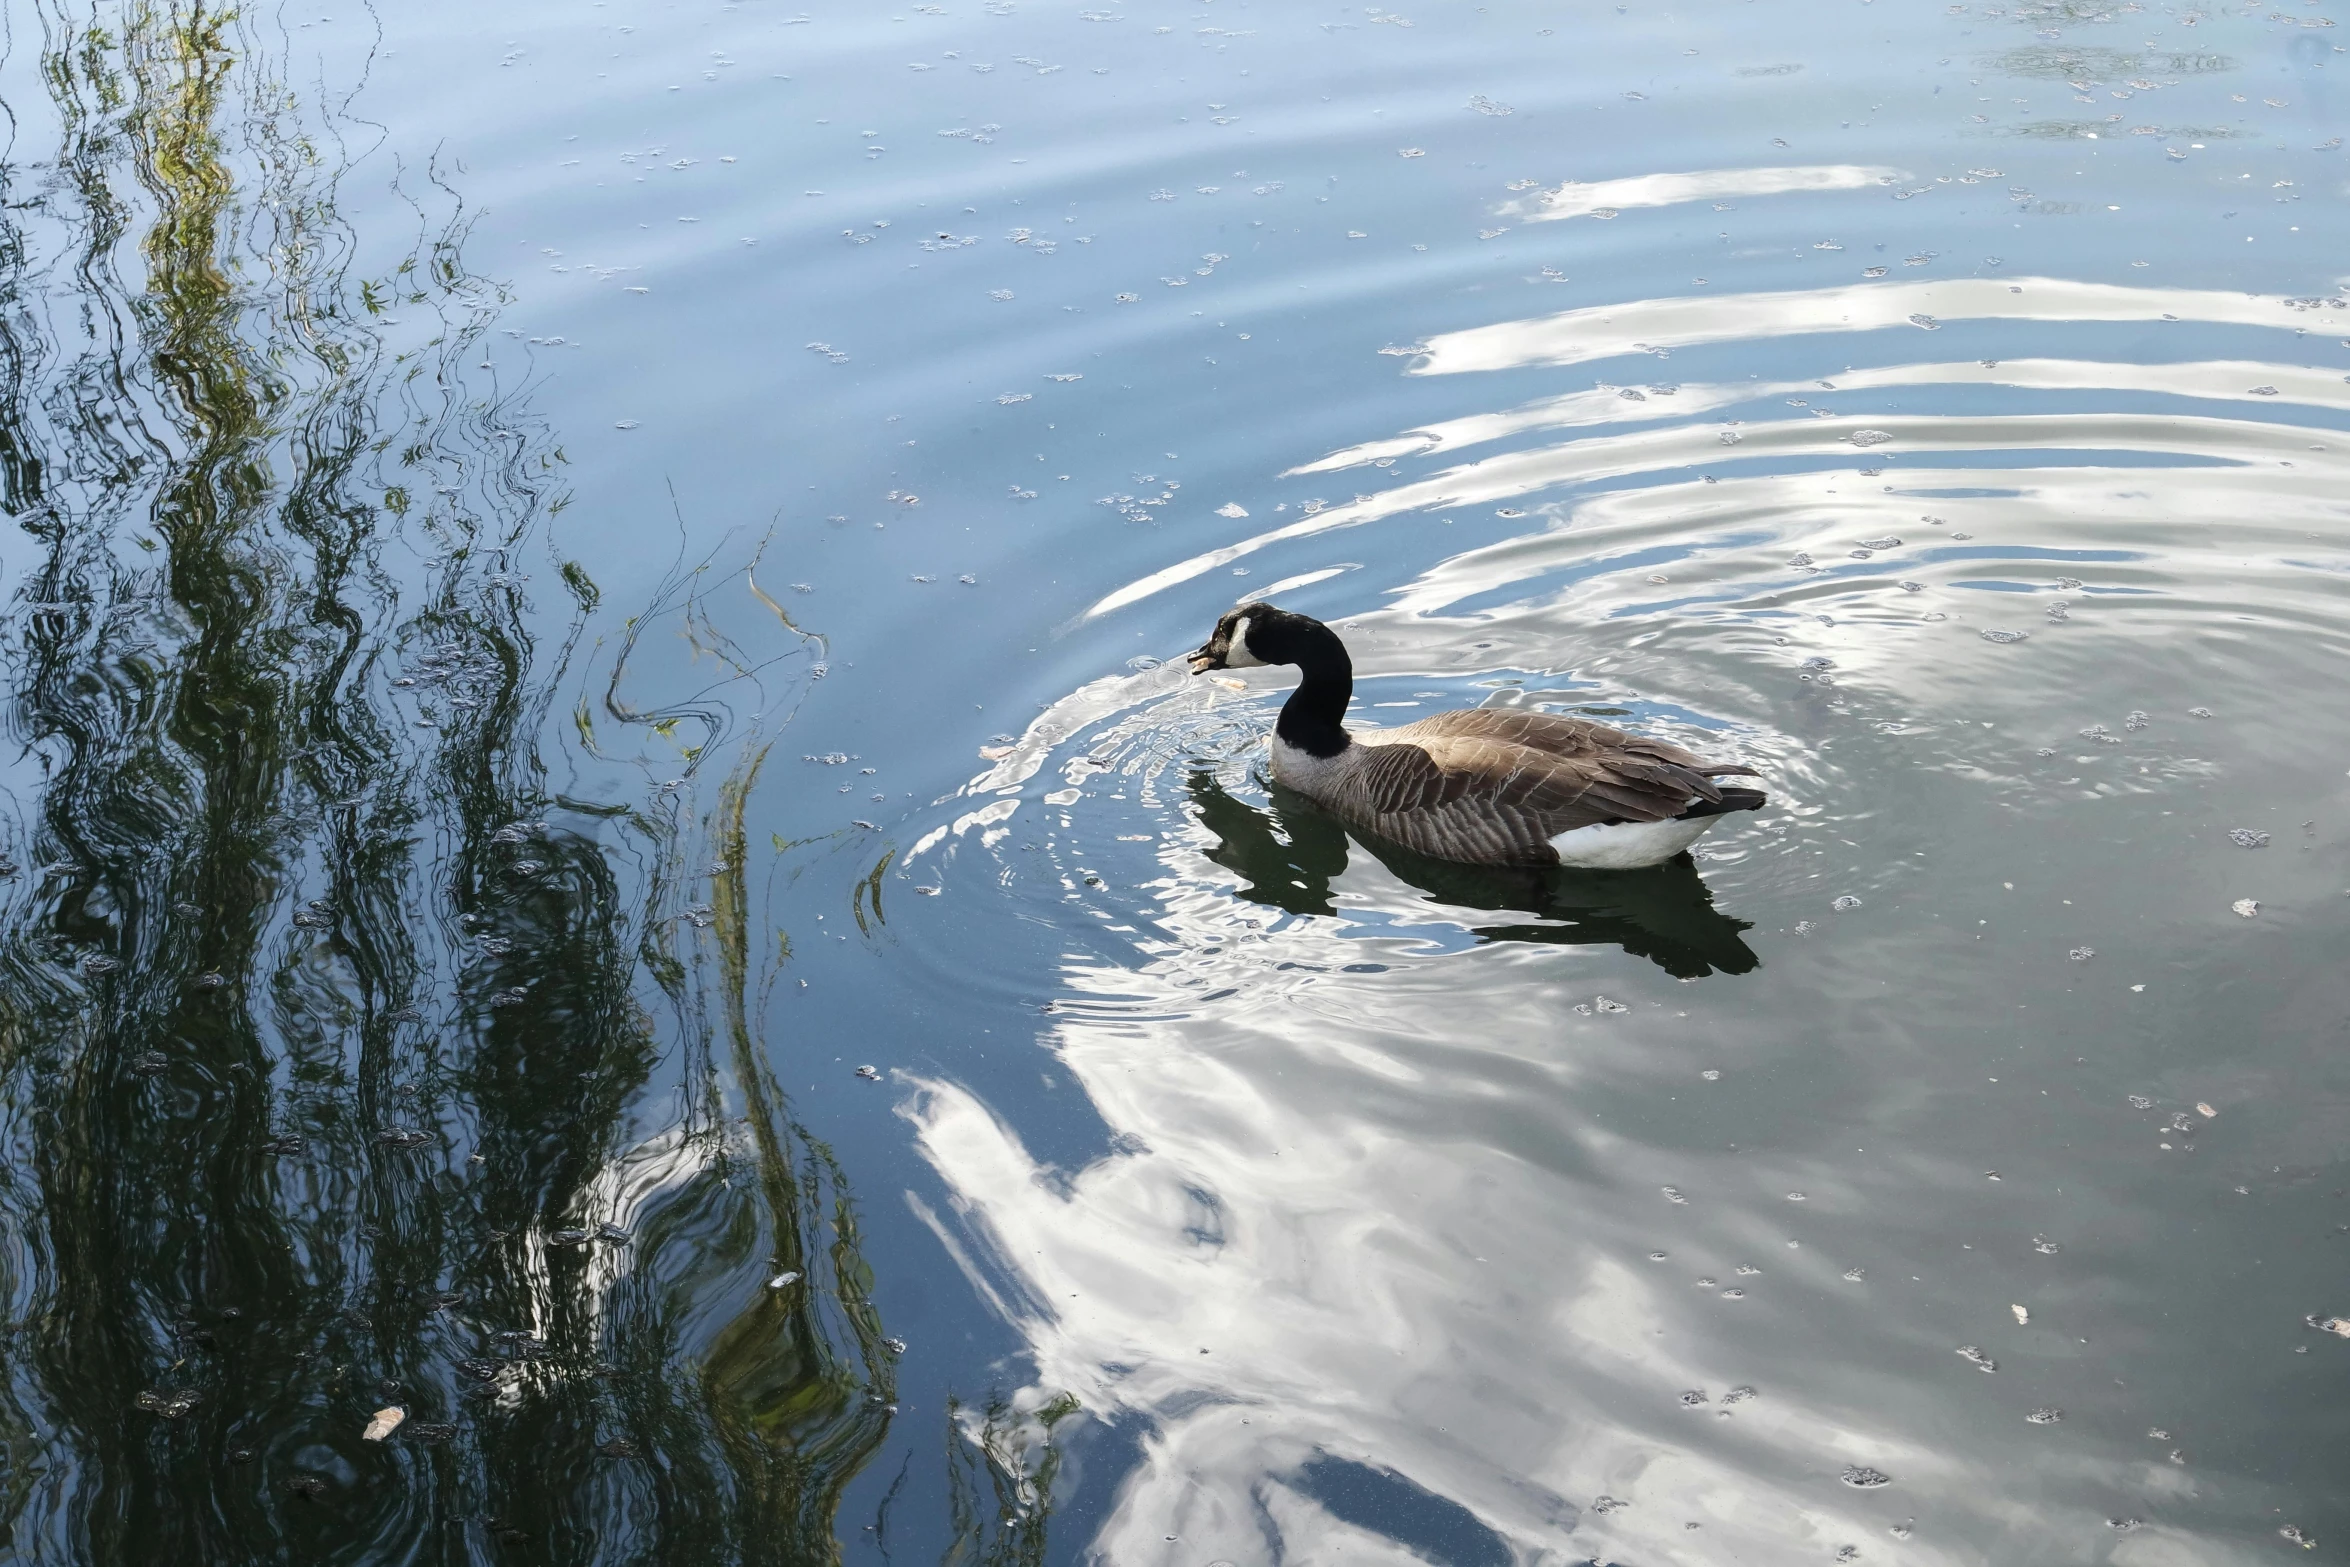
(1288, 856)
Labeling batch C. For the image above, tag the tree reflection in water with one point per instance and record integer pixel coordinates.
(345, 1059)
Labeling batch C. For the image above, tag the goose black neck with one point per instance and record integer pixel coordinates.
(1314, 717)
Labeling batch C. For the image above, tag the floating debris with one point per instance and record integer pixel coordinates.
(2044, 1417)
(1976, 1358)
(1844, 903)
(383, 1423)
(2205, 1111)
(2082, 954)
(618, 1447)
(2247, 907)
(2022, 1317)
(1856, 1275)
(1870, 437)
(1862, 1477)
(2247, 838)
(1694, 1397)
(169, 1405)
(1605, 1005)
(432, 1432)
(2003, 637)
(2307, 1542)
(1673, 1194)
(871, 1074)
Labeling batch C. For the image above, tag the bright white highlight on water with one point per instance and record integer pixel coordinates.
(1577, 199)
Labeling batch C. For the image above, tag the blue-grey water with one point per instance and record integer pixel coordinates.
(610, 860)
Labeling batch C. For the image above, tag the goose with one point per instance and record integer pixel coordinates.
(1482, 785)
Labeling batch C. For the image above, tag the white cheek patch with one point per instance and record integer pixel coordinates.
(1238, 655)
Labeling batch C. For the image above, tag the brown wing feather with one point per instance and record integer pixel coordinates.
(1555, 734)
(1526, 777)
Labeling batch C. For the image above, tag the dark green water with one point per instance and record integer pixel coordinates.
(599, 854)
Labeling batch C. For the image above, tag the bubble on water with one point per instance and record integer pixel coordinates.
(1485, 105)
(2046, 1247)
(1795, 1197)
(2124, 1525)
(1673, 1194)
(2003, 637)
(1708, 1282)
(2044, 1417)
(1804, 927)
(2136, 721)
(1657, 1256)
(1856, 1275)
(1870, 437)
(1729, 437)
(2060, 611)
(1733, 1294)
(2082, 954)
(1874, 272)
(1710, 1075)
(1862, 1477)
(1009, 398)
(1844, 903)
(1411, 152)
(1746, 1270)
(1601, 1506)
(1975, 1357)
(871, 1074)
(1888, 542)
(2247, 838)
(1509, 511)
(624, 424)
(2247, 907)
(2198, 712)
(1605, 1005)
(1693, 1398)
(1902, 1530)
(170, 1405)
(1231, 509)
(1848, 1553)
(1922, 320)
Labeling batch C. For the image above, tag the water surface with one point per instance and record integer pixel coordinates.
(609, 847)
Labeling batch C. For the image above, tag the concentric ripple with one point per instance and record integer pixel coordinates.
(1385, 1187)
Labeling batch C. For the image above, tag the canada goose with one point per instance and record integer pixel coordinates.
(1484, 785)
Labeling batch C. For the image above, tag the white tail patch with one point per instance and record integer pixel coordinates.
(1628, 846)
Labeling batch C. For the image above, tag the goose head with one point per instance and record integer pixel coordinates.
(1253, 635)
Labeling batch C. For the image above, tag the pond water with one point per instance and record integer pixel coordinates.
(608, 850)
